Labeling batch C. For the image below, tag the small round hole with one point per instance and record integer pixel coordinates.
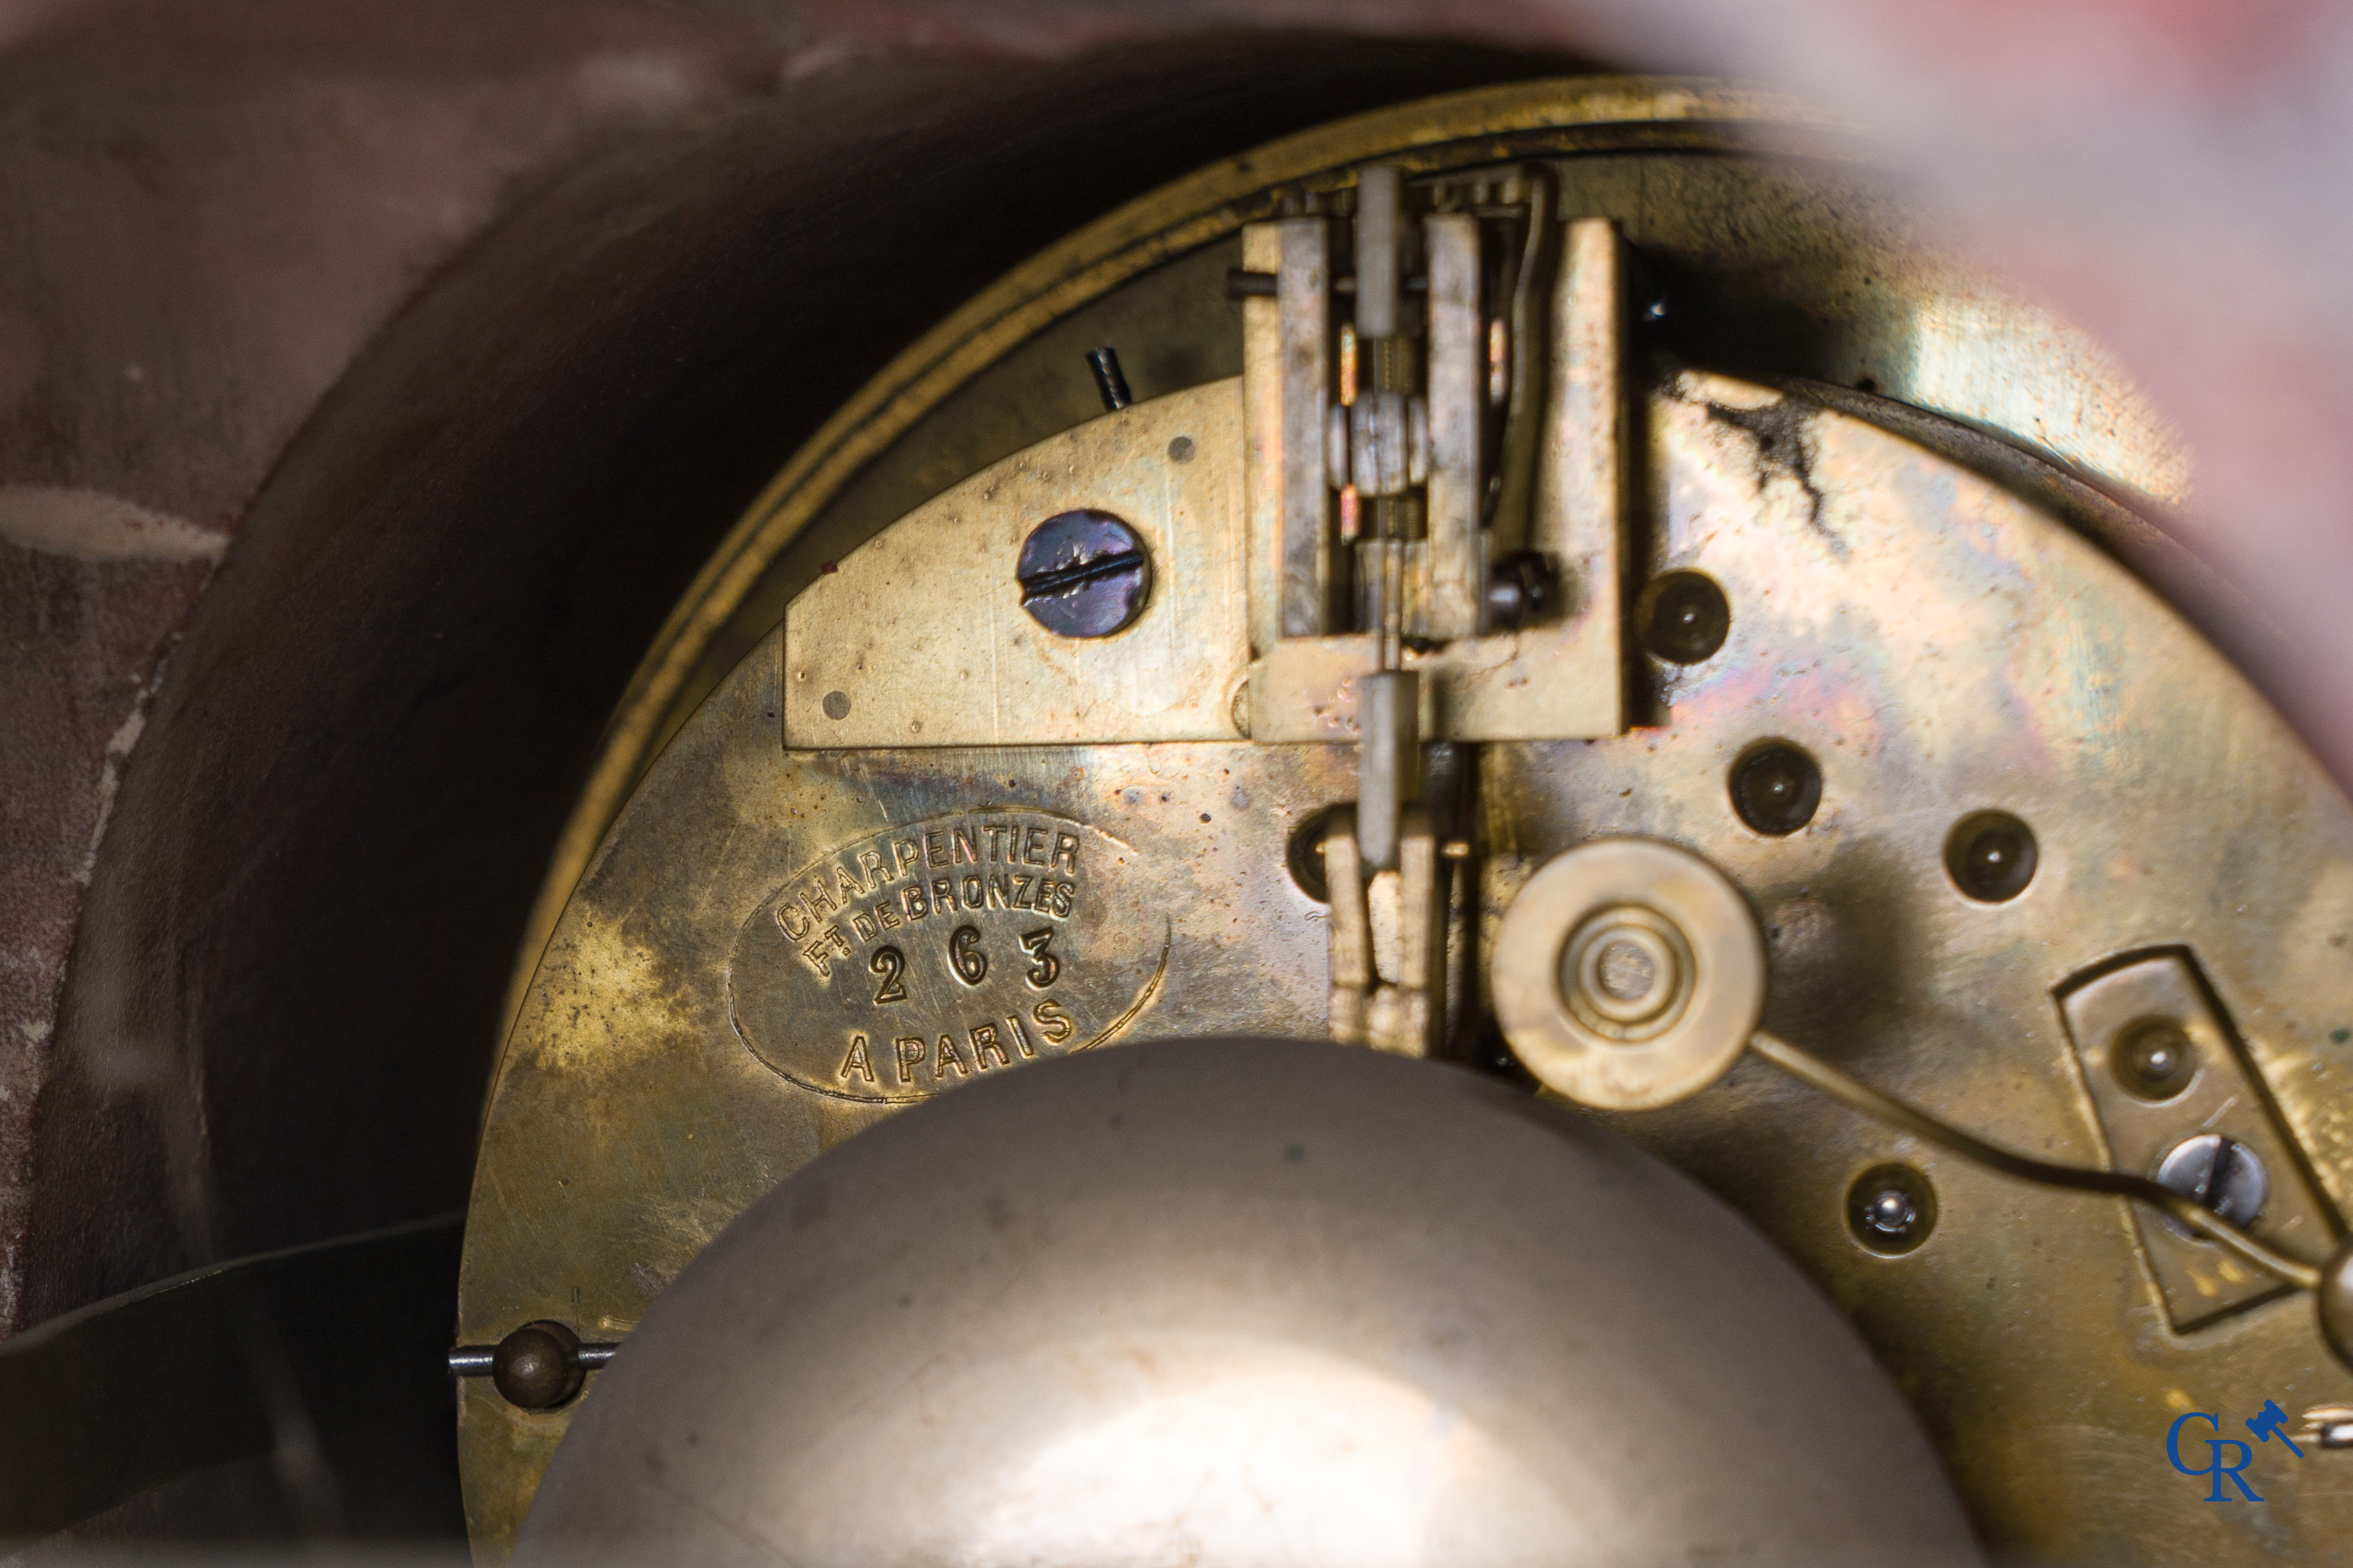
(2154, 1059)
(1891, 1209)
(1991, 856)
(1776, 788)
(1682, 617)
(1304, 855)
(836, 704)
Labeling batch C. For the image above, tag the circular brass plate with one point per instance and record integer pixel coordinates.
(629, 1120)
(1581, 1057)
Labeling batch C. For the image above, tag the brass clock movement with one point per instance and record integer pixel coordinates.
(1566, 580)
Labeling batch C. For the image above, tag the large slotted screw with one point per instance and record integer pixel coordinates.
(1085, 574)
(2220, 1174)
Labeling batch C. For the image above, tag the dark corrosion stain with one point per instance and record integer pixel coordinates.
(1784, 434)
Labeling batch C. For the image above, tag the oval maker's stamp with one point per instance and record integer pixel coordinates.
(928, 954)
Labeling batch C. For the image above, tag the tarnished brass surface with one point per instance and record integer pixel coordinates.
(1937, 646)
(1807, 267)
(941, 950)
(632, 1117)
(1939, 649)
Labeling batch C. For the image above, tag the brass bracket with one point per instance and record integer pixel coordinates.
(1561, 678)
(2122, 1018)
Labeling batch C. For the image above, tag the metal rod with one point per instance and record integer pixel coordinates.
(1812, 1069)
(1394, 596)
(1380, 218)
(481, 1361)
(473, 1361)
(1110, 380)
(1388, 762)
